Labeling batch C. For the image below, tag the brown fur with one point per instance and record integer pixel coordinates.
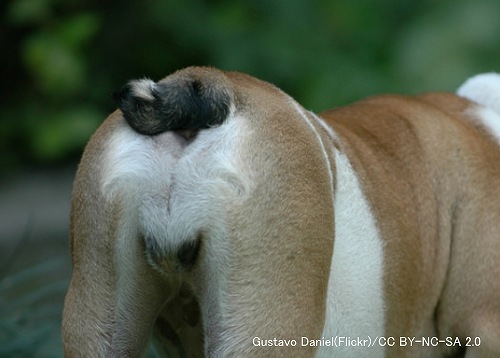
(431, 177)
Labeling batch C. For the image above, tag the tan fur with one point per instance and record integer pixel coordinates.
(90, 324)
(431, 177)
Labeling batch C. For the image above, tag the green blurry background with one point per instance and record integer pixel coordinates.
(62, 59)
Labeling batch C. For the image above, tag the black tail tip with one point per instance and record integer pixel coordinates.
(137, 101)
(195, 98)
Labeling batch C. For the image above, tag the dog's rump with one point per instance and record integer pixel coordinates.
(215, 202)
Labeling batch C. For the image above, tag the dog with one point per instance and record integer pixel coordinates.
(214, 210)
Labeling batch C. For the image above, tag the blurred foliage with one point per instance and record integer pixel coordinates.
(31, 304)
(30, 311)
(62, 59)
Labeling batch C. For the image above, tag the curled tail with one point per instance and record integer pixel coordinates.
(194, 98)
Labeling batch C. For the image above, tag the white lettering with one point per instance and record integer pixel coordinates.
(323, 342)
(274, 342)
(406, 341)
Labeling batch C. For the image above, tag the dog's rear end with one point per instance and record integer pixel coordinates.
(179, 211)
(213, 204)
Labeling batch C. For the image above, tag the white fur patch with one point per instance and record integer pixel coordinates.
(137, 165)
(171, 191)
(355, 303)
(135, 168)
(483, 89)
(489, 118)
(143, 88)
(176, 189)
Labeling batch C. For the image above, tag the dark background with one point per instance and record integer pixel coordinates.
(62, 59)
